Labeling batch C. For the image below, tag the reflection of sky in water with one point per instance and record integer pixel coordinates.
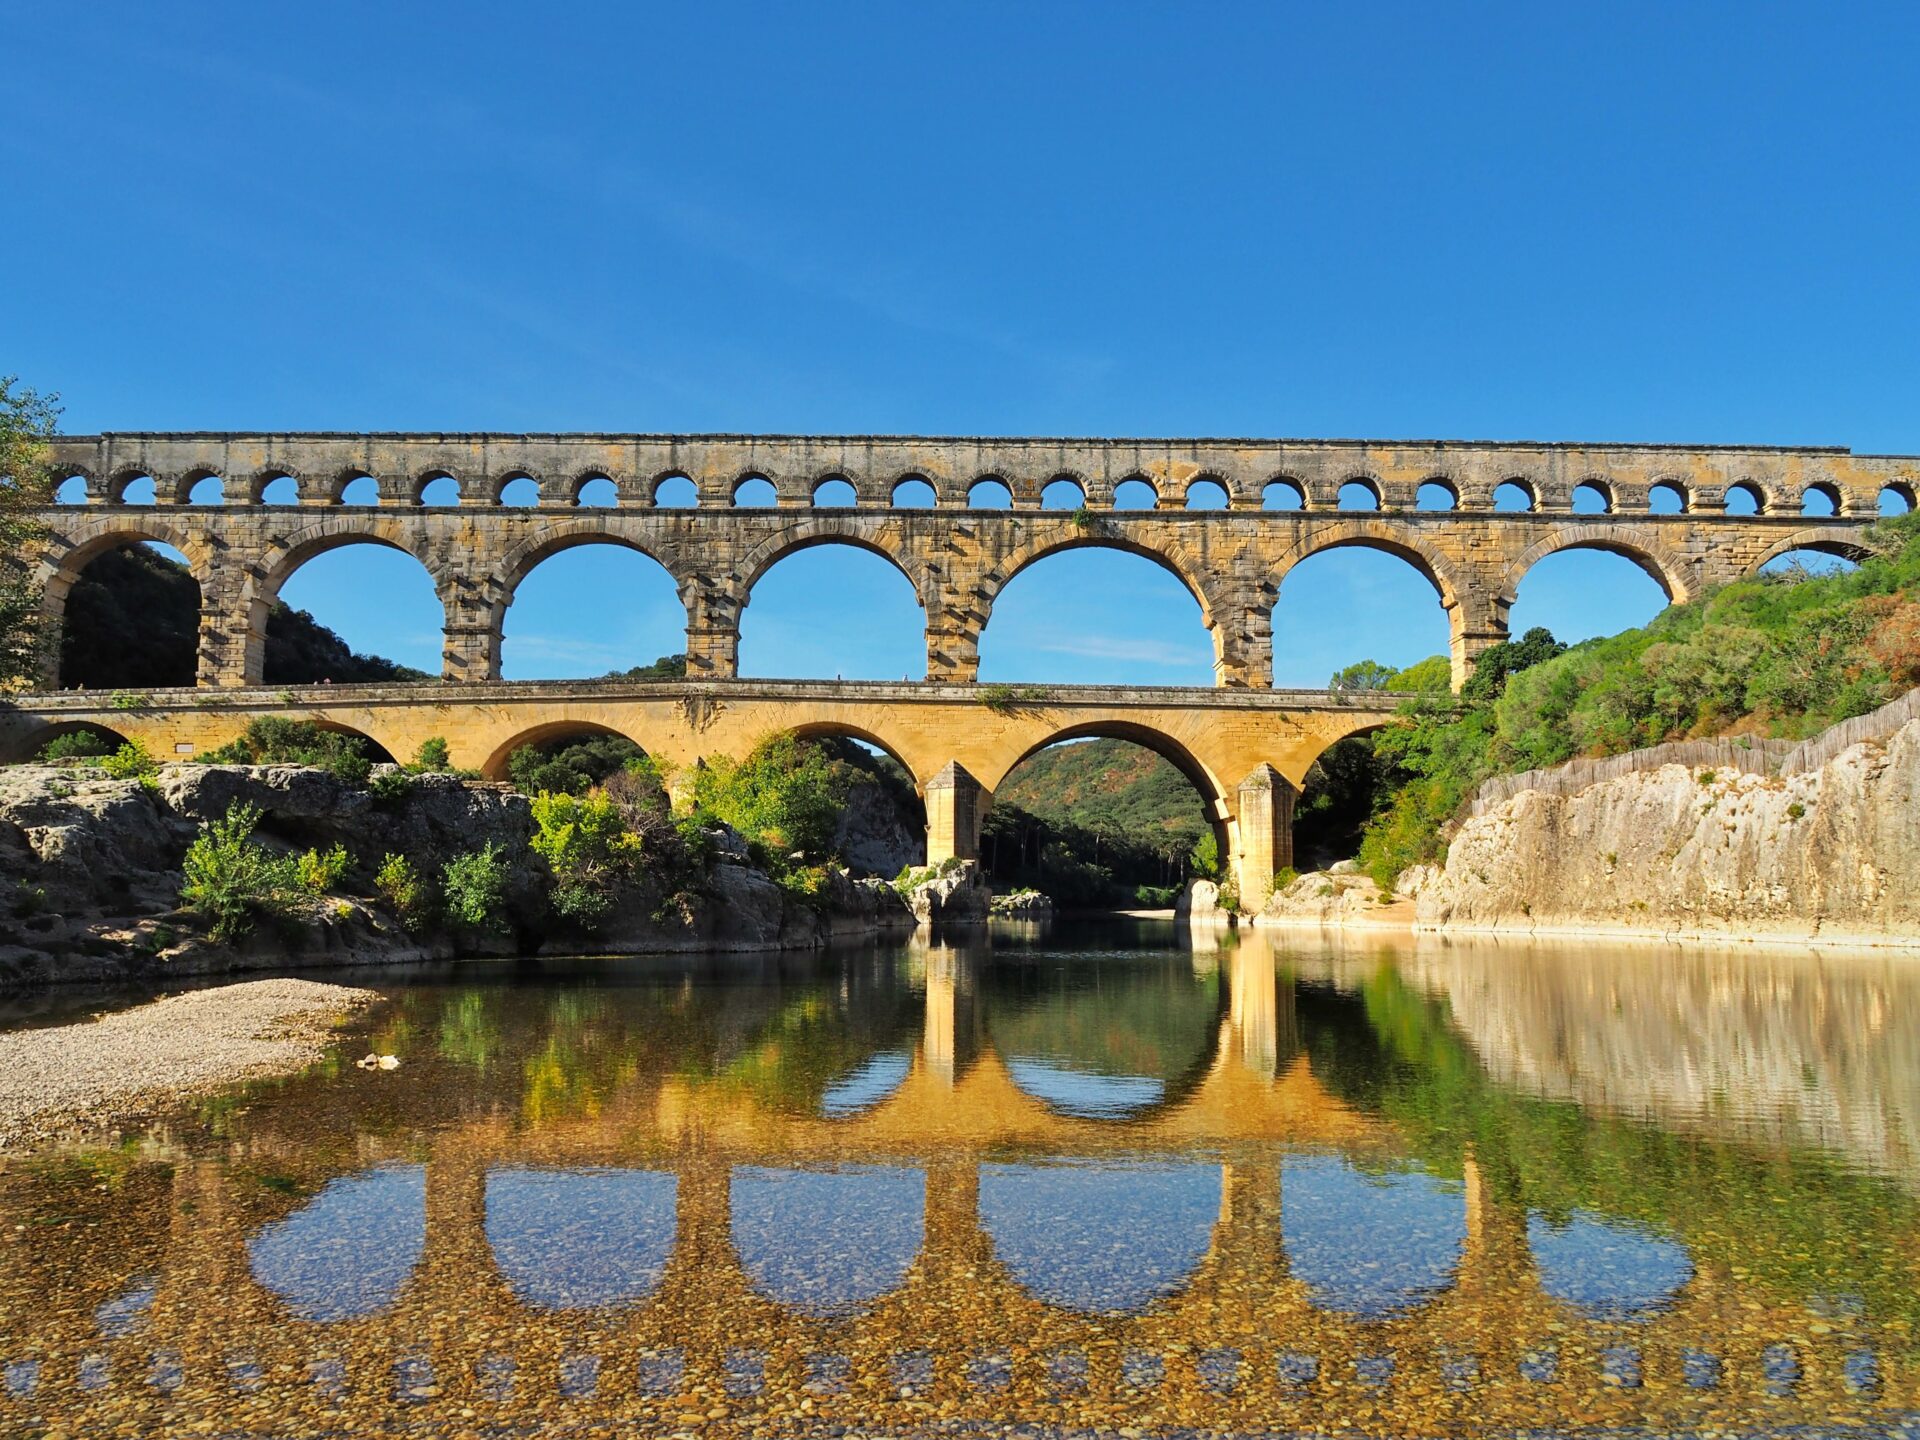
(123, 1314)
(572, 1239)
(1605, 1269)
(1100, 1236)
(347, 1251)
(1370, 1245)
(1081, 1093)
(868, 1085)
(825, 1242)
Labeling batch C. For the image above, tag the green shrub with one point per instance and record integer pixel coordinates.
(1283, 877)
(320, 872)
(784, 796)
(274, 740)
(433, 755)
(130, 762)
(572, 767)
(474, 888)
(233, 880)
(390, 788)
(587, 845)
(80, 744)
(1796, 810)
(399, 884)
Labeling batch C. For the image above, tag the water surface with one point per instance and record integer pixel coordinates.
(1101, 1177)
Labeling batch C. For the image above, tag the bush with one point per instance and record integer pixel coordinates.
(76, 745)
(233, 880)
(273, 740)
(785, 796)
(474, 888)
(587, 845)
(399, 884)
(130, 762)
(433, 756)
(390, 788)
(320, 872)
(570, 768)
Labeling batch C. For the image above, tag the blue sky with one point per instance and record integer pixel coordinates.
(1658, 223)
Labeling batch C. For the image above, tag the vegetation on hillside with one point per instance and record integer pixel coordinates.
(27, 421)
(1784, 654)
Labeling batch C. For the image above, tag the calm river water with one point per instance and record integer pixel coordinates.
(1107, 1178)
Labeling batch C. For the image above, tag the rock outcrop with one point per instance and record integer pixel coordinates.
(90, 878)
(956, 893)
(1200, 901)
(1342, 894)
(1831, 852)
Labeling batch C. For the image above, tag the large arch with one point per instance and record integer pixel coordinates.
(1669, 570)
(68, 553)
(263, 582)
(827, 1243)
(1170, 555)
(545, 733)
(520, 563)
(1826, 542)
(1373, 534)
(831, 527)
(812, 614)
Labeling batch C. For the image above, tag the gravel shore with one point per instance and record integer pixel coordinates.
(71, 1076)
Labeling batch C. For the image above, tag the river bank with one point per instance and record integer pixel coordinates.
(88, 1076)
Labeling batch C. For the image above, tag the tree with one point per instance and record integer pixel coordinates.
(1362, 675)
(27, 422)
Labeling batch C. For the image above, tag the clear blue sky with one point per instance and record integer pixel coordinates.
(1666, 223)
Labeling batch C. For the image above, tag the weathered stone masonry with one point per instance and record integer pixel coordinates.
(1234, 561)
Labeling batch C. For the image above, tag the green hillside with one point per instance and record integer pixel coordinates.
(132, 623)
(1780, 655)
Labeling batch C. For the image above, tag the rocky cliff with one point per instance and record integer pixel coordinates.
(90, 878)
(1830, 851)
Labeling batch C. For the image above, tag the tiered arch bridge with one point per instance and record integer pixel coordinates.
(1238, 740)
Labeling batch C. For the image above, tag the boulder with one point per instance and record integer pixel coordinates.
(1200, 900)
(955, 894)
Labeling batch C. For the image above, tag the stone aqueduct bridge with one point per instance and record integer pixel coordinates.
(1238, 741)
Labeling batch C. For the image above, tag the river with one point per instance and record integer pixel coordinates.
(1107, 1177)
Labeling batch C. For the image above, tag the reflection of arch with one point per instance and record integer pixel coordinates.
(347, 1251)
(581, 1239)
(1369, 1245)
(1373, 535)
(1668, 570)
(542, 735)
(1605, 1269)
(871, 1083)
(827, 1242)
(1844, 544)
(1054, 1227)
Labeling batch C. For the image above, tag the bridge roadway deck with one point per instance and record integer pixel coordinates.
(1246, 752)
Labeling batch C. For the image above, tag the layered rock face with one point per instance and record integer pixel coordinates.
(90, 878)
(1832, 853)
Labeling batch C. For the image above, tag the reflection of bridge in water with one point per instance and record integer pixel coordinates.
(1249, 1250)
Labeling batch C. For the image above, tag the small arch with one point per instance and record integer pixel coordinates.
(1207, 493)
(130, 487)
(1136, 492)
(675, 492)
(283, 486)
(754, 492)
(1436, 494)
(548, 737)
(71, 491)
(436, 488)
(596, 492)
(1515, 497)
(913, 492)
(990, 492)
(520, 492)
(207, 490)
(1820, 499)
(1896, 499)
(1746, 498)
(1063, 492)
(364, 490)
(1282, 495)
(1360, 493)
(370, 747)
(1593, 497)
(1668, 497)
(835, 492)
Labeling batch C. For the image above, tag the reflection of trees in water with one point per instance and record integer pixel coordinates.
(1110, 1016)
(1800, 1222)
